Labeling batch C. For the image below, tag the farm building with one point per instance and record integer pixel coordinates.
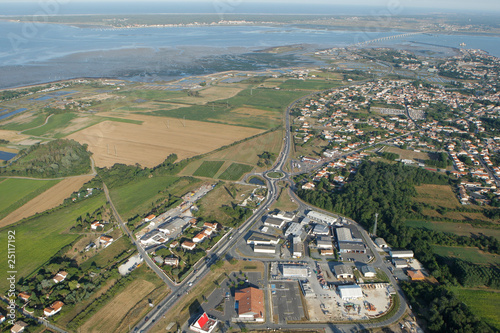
(368, 271)
(400, 263)
(323, 218)
(380, 242)
(204, 324)
(295, 271)
(264, 248)
(350, 292)
(262, 239)
(343, 271)
(274, 222)
(249, 303)
(401, 254)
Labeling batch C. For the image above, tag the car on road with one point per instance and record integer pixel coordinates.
(190, 284)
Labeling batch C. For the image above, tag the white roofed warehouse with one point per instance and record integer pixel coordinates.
(349, 292)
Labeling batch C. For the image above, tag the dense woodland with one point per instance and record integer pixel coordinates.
(58, 158)
(388, 189)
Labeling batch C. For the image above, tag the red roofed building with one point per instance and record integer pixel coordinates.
(59, 277)
(188, 245)
(53, 309)
(416, 275)
(24, 296)
(250, 304)
(203, 324)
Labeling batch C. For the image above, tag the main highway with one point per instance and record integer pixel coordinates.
(219, 251)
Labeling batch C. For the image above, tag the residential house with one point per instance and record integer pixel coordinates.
(18, 327)
(53, 309)
(188, 245)
(59, 277)
(106, 240)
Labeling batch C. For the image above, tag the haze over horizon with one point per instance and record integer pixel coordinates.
(333, 7)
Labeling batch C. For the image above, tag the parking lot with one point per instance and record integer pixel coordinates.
(286, 301)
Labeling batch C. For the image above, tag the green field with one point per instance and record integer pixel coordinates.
(309, 84)
(109, 254)
(208, 169)
(39, 238)
(235, 171)
(471, 254)
(57, 121)
(16, 192)
(461, 229)
(138, 197)
(482, 303)
(15, 126)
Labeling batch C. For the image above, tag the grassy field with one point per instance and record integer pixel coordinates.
(31, 122)
(471, 254)
(309, 84)
(407, 154)
(107, 255)
(128, 306)
(246, 152)
(437, 195)
(47, 199)
(138, 197)
(483, 303)
(181, 311)
(461, 229)
(235, 171)
(284, 201)
(14, 193)
(208, 169)
(39, 238)
(55, 122)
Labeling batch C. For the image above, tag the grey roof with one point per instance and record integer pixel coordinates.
(342, 269)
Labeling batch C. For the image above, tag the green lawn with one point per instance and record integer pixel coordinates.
(461, 229)
(57, 121)
(115, 251)
(482, 303)
(16, 192)
(235, 171)
(40, 238)
(471, 254)
(208, 169)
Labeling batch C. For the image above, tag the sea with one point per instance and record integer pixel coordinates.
(33, 53)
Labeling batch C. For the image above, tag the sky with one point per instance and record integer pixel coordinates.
(27, 7)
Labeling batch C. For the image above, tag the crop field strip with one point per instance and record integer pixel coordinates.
(208, 169)
(235, 171)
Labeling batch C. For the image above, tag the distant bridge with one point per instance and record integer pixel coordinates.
(389, 38)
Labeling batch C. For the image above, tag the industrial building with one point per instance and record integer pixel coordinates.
(323, 218)
(153, 237)
(306, 289)
(368, 271)
(350, 292)
(401, 254)
(321, 230)
(400, 263)
(348, 234)
(262, 239)
(324, 242)
(287, 216)
(295, 271)
(351, 247)
(298, 248)
(173, 226)
(343, 271)
(263, 248)
(249, 304)
(380, 242)
(274, 222)
(294, 229)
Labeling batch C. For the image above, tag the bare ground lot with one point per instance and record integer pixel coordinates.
(12, 136)
(51, 198)
(150, 143)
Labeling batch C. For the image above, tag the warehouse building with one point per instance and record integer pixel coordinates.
(263, 248)
(380, 242)
(401, 254)
(324, 242)
(294, 229)
(400, 263)
(295, 271)
(298, 248)
(274, 222)
(286, 216)
(349, 234)
(343, 271)
(321, 230)
(307, 289)
(262, 239)
(350, 292)
(351, 247)
(368, 271)
(323, 218)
